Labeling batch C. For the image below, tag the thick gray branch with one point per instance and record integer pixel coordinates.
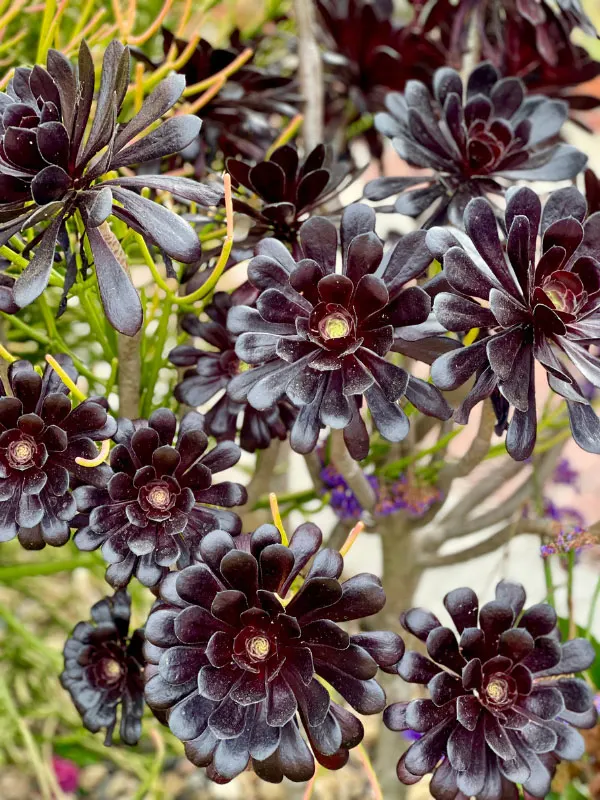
(311, 73)
(493, 542)
(484, 488)
(454, 526)
(313, 465)
(478, 450)
(351, 472)
(260, 484)
(130, 374)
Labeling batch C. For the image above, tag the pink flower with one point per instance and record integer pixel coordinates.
(67, 773)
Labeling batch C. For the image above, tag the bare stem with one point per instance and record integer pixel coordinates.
(472, 54)
(351, 472)
(130, 374)
(311, 73)
(493, 542)
(128, 347)
(259, 486)
(476, 452)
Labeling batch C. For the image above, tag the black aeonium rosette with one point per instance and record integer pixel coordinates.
(545, 311)
(504, 701)
(287, 189)
(562, 70)
(322, 337)
(238, 120)
(41, 435)
(104, 670)
(496, 21)
(234, 670)
(371, 51)
(160, 500)
(50, 168)
(471, 142)
(213, 369)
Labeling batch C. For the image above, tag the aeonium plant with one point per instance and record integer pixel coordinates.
(359, 346)
(56, 153)
(544, 311)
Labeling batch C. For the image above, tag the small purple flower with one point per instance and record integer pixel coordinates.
(564, 514)
(572, 540)
(566, 474)
(342, 498)
(402, 494)
(67, 774)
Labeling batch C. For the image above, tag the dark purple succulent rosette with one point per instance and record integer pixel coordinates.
(321, 337)
(546, 311)
(160, 500)
(504, 702)
(369, 52)
(564, 67)
(288, 188)
(238, 120)
(41, 435)
(213, 369)
(472, 143)
(497, 23)
(234, 671)
(104, 670)
(49, 169)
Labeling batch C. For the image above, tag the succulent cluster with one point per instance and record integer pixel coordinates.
(104, 670)
(55, 152)
(368, 54)
(160, 500)
(545, 311)
(560, 73)
(503, 703)
(471, 141)
(246, 654)
(321, 337)
(233, 668)
(210, 377)
(287, 190)
(494, 20)
(237, 121)
(41, 439)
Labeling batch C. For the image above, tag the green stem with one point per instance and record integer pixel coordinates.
(151, 781)
(295, 498)
(18, 571)
(592, 614)
(42, 772)
(396, 467)
(570, 603)
(94, 322)
(550, 595)
(33, 642)
(149, 381)
(149, 261)
(32, 333)
(125, 761)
